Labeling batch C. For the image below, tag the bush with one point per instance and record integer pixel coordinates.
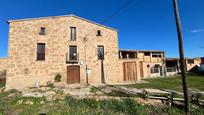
(51, 85)
(58, 78)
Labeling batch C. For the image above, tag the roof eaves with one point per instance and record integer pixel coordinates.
(70, 15)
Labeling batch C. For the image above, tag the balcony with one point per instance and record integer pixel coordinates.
(72, 58)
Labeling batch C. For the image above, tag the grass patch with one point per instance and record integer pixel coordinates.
(94, 90)
(2, 84)
(173, 83)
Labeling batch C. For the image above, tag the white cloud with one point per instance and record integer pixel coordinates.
(196, 31)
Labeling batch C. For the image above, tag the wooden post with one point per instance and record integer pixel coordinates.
(87, 81)
(102, 73)
(181, 52)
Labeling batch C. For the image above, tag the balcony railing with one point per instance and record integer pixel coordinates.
(72, 58)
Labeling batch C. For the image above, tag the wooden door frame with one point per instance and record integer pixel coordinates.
(79, 73)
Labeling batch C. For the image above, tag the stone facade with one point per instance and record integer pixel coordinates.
(3, 64)
(23, 68)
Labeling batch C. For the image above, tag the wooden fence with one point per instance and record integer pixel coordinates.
(171, 96)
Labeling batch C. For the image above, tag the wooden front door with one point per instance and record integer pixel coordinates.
(73, 74)
(129, 71)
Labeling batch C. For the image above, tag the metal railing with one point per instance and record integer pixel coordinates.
(72, 58)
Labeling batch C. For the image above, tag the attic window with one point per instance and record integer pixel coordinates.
(42, 31)
(98, 33)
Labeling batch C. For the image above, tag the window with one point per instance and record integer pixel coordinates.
(155, 69)
(42, 31)
(190, 61)
(73, 33)
(147, 53)
(98, 33)
(41, 51)
(72, 53)
(100, 52)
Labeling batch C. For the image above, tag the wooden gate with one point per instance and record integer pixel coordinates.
(129, 71)
(73, 74)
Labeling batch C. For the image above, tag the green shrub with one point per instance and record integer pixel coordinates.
(59, 91)
(51, 85)
(58, 78)
(94, 90)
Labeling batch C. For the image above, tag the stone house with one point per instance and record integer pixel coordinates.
(72, 46)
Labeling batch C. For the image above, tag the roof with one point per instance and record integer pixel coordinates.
(131, 50)
(70, 15)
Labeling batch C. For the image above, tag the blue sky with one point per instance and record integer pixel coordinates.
(143, 24)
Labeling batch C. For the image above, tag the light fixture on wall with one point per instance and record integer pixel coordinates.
(81, 62)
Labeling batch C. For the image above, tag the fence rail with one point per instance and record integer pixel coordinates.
(171, 96)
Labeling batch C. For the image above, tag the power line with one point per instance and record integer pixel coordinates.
(111, 16)
(106, 20)
(118, 11)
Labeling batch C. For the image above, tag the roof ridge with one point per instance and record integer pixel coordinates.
(70, 15)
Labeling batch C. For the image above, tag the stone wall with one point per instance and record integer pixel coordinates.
(24, 70)
(3, 64)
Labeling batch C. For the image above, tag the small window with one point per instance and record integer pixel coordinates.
(42, 31)
(73, 34)
(98, 33)
(100, 52)
(155, 69)
(190, 61)
(147, 53)
(41, 51)
(72, 53)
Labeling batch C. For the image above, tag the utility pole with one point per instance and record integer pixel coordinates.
(181, 52)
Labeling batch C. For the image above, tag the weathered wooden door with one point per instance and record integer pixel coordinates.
(129, 71)
(141, 70)
(73, 74)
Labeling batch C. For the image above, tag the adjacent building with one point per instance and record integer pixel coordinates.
(191, 64)
(148, 63)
